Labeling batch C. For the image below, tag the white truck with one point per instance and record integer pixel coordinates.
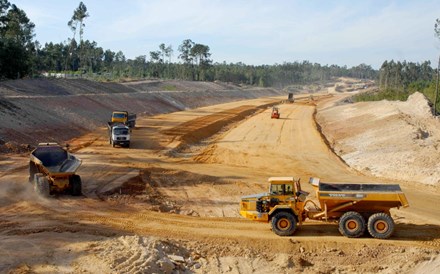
(119, 134)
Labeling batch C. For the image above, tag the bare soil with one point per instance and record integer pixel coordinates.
(169, 203)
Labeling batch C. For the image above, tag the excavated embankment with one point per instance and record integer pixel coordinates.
(396, 140)
(37, 110)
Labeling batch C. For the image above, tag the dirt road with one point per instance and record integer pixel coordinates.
(176, 191)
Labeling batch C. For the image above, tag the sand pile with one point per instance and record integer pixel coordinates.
(135, 254)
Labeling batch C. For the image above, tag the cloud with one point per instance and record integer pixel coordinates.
(254, 32)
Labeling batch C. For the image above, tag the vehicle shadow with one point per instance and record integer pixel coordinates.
(402, 232)
(415, 232)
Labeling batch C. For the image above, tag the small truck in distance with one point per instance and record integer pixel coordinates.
(356, 207)
(128, 119)
(275, 113)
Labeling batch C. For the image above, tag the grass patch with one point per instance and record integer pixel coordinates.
(388, 94)
(170, 88)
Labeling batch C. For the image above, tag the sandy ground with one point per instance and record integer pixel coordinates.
(169, 204)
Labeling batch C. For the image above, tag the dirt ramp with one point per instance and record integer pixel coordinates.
(194, 131)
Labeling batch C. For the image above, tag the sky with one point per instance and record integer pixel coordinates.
(254, 32)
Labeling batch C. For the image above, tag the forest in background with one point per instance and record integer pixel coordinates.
(21, 56)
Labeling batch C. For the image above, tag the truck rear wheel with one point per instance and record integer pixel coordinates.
(380, 225)
(75, 185)
(284, 224)
(41, 185)
(352, 224)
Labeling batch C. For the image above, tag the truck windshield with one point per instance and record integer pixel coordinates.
(120, 131)
(118, 115)
(284, 189)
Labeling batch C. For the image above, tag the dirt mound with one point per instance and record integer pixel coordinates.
(396, 140)
(134, 254)
(417, 105)
(14, 147)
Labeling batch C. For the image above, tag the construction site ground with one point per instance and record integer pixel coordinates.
(169, 203)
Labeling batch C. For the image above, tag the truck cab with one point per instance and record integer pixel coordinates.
(284, 194)
(119, 134)
(283, 205)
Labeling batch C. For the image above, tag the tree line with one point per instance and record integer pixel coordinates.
(21, 56)
(401, 76)
(398, 80)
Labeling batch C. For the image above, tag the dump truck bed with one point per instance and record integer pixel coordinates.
(55, 160)
(336, 197)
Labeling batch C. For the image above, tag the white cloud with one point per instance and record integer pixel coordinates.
(255, 32)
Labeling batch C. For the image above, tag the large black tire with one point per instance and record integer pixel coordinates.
(284, 223)
(352, 224)
(75, 185)
(41, 185)
(380, 225)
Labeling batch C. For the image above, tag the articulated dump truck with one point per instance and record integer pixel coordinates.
(52, 170)
(356, 207)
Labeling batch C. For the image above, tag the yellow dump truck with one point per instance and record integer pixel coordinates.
(356, 207)
(123, 117)
(52, 170)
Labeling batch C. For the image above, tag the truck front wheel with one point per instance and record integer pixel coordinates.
(380, 225)
(284, 224)
(352, 224)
